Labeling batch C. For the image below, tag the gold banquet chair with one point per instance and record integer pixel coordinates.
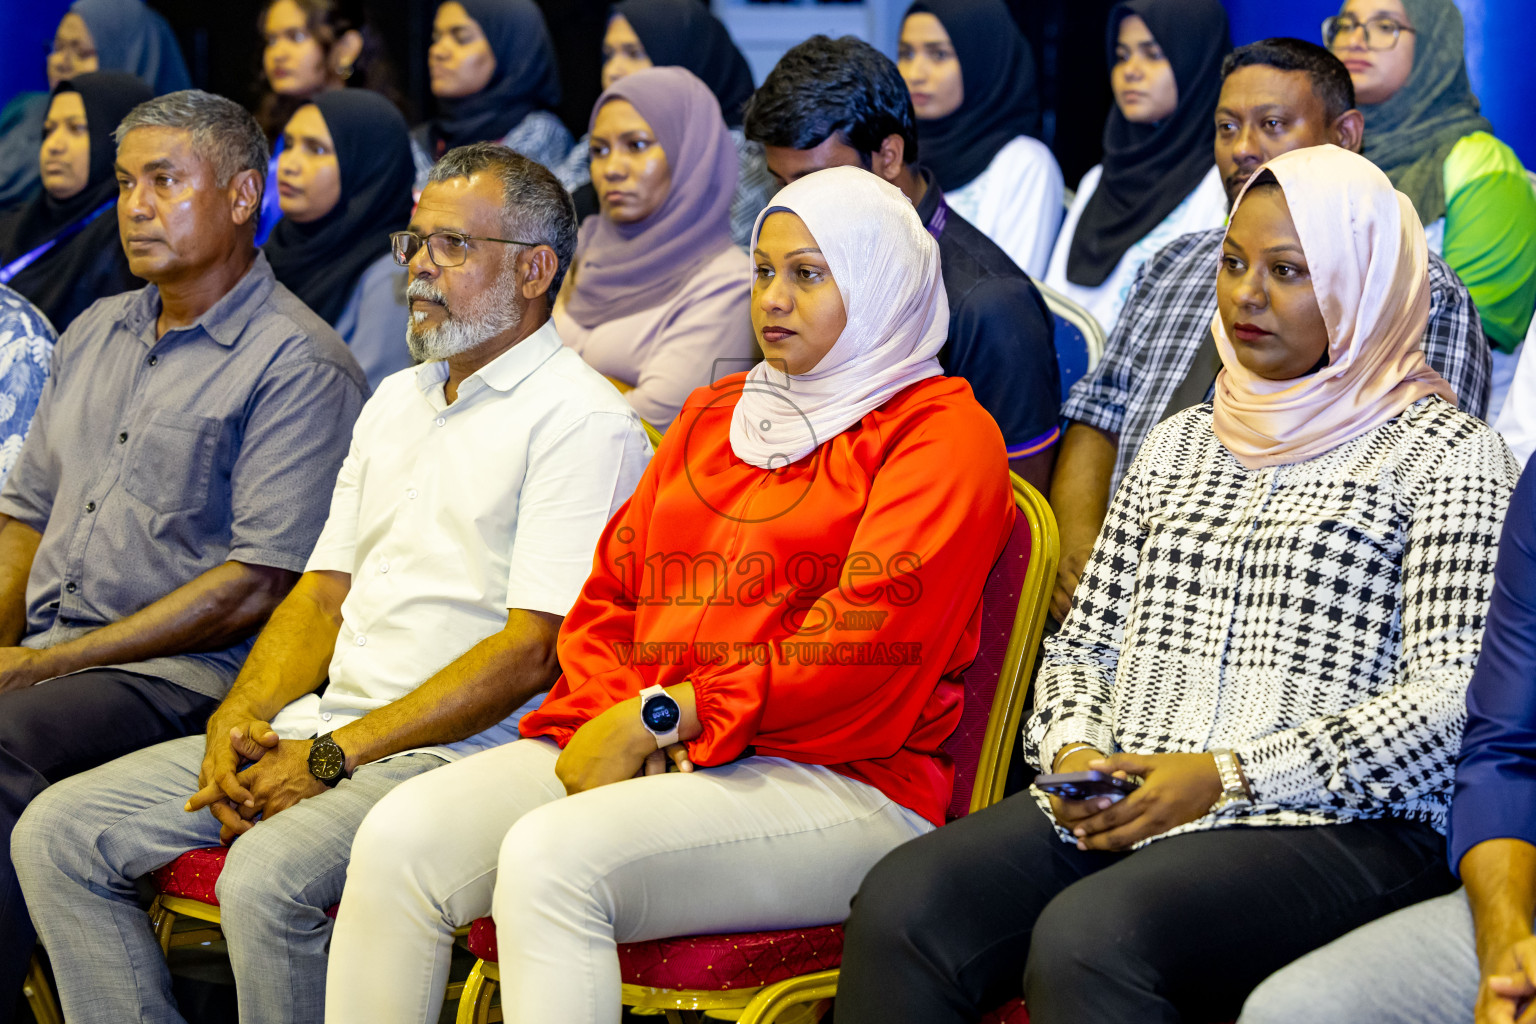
(764, 975)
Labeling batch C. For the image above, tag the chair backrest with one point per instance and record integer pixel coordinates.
(1013, 608)
(1078, 336)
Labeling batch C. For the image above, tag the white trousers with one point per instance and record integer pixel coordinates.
(758, 844)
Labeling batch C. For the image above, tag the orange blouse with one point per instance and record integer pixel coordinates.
(823, 611)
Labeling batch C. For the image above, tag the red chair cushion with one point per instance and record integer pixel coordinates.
(710, 962)
(195, 876)
(1011, 1012)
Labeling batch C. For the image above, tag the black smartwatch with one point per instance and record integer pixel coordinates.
(327, 761)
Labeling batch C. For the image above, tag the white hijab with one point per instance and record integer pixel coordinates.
(886, 267)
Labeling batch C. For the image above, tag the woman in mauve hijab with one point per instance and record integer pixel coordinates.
(1274, 636)
(656, 298)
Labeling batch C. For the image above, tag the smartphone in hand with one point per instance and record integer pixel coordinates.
(1086, 785)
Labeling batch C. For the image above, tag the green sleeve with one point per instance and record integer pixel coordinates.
(1490, 235)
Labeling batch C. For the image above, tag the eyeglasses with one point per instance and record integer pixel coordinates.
(1380, 33)
(444, 248)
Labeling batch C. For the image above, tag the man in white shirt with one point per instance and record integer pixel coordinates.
(461, 530)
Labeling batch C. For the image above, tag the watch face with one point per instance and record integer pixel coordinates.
(660, 713)
(326, 760)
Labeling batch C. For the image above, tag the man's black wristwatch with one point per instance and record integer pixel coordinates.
(327, 761)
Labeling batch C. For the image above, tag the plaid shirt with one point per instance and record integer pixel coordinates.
(1169, 315)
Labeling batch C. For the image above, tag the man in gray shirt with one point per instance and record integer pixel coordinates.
(177, 474)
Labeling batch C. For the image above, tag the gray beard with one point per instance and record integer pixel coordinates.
(471, 322)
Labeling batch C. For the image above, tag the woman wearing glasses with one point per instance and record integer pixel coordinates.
(343, 181)
(657, 296)
(1423, 128)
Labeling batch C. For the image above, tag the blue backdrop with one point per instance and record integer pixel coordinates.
(1497, 40)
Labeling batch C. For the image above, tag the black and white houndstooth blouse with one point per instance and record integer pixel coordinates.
(1320, 619)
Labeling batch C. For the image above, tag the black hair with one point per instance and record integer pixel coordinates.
(825, 86)
(1330, 78)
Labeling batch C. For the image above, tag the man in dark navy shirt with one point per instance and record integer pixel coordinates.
(836, 102)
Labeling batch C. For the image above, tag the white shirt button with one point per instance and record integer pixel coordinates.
(411, 494)
(362, 641)
(383, 567)
(325, 716)
(441, 421)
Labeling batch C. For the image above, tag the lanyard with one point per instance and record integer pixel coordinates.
(21, 263)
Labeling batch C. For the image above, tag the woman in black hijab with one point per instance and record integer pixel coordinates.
(972, 78)
(492, 69)
(344, 183)
(61, 248)
(682, 33)
(1158, 179)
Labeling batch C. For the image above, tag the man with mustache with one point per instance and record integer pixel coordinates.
(461, 530)
(1277, 95)
(174, 478)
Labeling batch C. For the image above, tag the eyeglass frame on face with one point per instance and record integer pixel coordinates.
(1398, 28)
(425, 241)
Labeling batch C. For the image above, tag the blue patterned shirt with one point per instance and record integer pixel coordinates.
(26, 349)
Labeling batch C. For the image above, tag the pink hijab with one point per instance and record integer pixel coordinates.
(1369, 264)
(629, 267)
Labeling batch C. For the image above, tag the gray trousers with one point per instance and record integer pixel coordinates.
(82, 843)
(1417, 966)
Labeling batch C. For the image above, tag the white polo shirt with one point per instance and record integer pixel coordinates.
(446, 516)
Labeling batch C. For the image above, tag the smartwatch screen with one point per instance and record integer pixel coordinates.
(660, 714)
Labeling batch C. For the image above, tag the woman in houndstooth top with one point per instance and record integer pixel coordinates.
(1275, 632)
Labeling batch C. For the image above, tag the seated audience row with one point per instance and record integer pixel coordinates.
(1278, 467)
(1161, 358)
(493, 66)
(1319, 323)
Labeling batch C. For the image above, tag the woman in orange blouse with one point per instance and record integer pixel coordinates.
(780, 612)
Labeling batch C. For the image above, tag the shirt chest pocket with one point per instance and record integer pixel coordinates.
(170, 460)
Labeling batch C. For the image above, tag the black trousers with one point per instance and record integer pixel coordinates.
(946, 926)
(57, 729)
